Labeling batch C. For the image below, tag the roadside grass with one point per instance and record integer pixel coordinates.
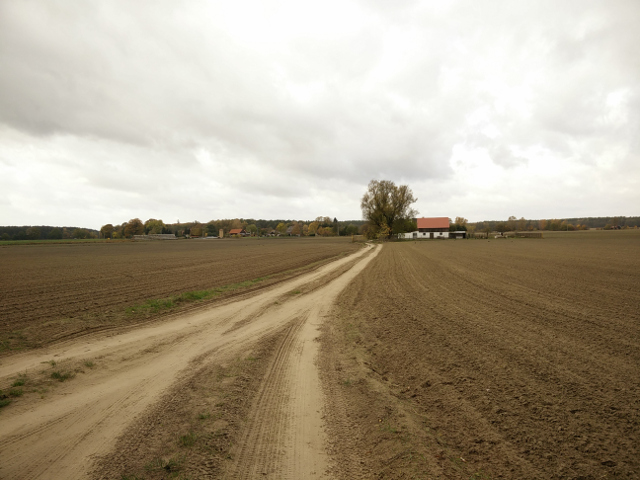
(158, 305)
(62, 375)
(171, 465)
(21, 380)
(40, 382)
(16, 392)
(188, 440)
(63, 370)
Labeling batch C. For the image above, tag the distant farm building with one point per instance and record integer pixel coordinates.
(435, 227)
(238, 231)
(156, 236)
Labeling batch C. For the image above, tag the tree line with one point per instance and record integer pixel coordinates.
(553, 224)
(45, 232)
(321, 226)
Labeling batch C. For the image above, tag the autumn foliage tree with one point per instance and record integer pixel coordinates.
(281, 228)
(313, 228)
(386, 207)
(153, 226)
(107, 230)
(134, 227)
(459, 225)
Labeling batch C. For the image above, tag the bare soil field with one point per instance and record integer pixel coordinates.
(482, 359)
(53, 291)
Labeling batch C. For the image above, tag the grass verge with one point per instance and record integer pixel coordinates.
(41, 381)
(162, 304)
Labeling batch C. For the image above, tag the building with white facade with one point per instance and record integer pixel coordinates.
(435, 227)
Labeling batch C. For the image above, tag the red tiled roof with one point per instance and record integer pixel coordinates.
(235, 231)
(436, 222)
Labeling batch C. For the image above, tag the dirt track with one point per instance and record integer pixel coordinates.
(139, 377)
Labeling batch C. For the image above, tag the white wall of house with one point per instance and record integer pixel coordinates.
(425, 235)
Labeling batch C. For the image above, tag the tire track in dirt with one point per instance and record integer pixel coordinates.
(262, 447)
(284, 437)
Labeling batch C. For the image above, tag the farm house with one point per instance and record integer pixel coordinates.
(435, 227)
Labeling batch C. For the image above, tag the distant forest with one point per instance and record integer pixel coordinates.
(45, 232)
(321, 226)
(583, 223)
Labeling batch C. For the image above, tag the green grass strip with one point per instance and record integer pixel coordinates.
(159, 305)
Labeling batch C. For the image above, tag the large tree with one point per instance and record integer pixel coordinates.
(153, 226)
(134, 227)
(386, 207)
(313, 228)
(107, 230)
(282, 228)
(55, 234)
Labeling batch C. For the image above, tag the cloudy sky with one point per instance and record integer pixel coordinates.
(201, 110)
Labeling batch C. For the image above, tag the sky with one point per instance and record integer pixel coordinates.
(206, 110)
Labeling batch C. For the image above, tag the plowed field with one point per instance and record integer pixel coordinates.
(489, 359)
(57, 290)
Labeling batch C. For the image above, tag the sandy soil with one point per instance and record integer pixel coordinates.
(130, 387)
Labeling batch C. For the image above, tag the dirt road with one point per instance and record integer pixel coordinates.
(125, 387)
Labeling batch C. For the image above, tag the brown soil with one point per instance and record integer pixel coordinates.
(489, 359)
(53, 291)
